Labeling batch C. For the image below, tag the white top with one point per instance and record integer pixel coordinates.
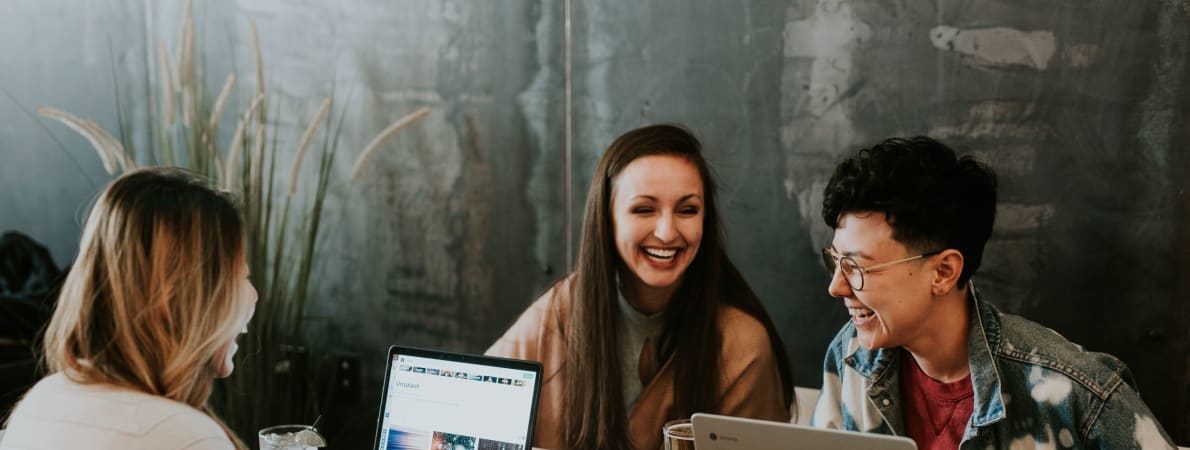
(59, 414)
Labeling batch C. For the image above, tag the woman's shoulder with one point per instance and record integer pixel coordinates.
(103, 412)
(548, 308)
(741, 330)
(536, 326)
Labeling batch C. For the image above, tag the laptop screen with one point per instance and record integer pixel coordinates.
(442, 401)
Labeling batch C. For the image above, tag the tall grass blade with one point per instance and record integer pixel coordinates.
(267, 207)
(186, 69)
(111, 153)
(69, 155)
(217, 110)
(167, 84)
(304, 143)
(260, 87)
(235, 152)
(379, 140)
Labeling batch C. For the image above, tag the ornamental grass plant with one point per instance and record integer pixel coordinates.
(274, 381)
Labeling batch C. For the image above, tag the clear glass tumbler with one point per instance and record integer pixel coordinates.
(678, 435)
(290, 437)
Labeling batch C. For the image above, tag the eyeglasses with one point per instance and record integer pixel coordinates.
(853, 273)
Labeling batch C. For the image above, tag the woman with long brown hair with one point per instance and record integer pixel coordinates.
(655, 323)
(146, 321)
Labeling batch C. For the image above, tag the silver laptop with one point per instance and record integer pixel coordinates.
(714, 432)
(441, 400)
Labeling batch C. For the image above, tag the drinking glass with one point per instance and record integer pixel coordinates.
(291, 437)
(678, 435)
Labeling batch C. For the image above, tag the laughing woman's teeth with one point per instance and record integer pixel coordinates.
(663, 254)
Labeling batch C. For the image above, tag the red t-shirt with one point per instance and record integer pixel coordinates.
(936, 413)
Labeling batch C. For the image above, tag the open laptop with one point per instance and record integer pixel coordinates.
(714, 432)
(440, 400)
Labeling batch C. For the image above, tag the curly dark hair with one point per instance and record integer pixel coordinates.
(933, 200)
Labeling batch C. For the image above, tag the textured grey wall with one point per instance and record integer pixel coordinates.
(57, 53)
(460, 223)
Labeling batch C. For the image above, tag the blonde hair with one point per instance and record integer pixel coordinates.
(151, 298)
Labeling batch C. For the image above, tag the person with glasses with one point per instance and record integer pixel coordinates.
(923, 355)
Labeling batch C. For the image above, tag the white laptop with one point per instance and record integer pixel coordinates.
(440, 400)
(714, 432)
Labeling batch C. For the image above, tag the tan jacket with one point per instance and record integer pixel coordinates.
(750, 382)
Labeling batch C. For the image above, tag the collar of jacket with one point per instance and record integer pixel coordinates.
(880, 366)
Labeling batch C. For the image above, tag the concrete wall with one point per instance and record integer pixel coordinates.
(458, 225)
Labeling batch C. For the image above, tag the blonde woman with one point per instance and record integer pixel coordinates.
(147, 319)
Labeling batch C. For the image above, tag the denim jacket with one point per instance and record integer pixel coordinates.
(1032, 387)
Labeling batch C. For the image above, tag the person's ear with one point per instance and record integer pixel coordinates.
(946, 275)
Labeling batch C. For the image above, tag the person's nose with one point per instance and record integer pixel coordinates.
(839, 287)
(664, 228)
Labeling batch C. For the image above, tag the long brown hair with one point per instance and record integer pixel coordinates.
(596, 417)
(150, 300)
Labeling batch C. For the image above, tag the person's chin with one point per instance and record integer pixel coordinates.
(227, 365)
(662, 277)
(662, 281)
(222, 369)
(871, 342)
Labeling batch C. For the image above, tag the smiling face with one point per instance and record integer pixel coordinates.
(657, 213)
(222, 364)
(895, 302)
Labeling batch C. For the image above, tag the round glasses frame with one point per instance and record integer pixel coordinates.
(853, 272)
